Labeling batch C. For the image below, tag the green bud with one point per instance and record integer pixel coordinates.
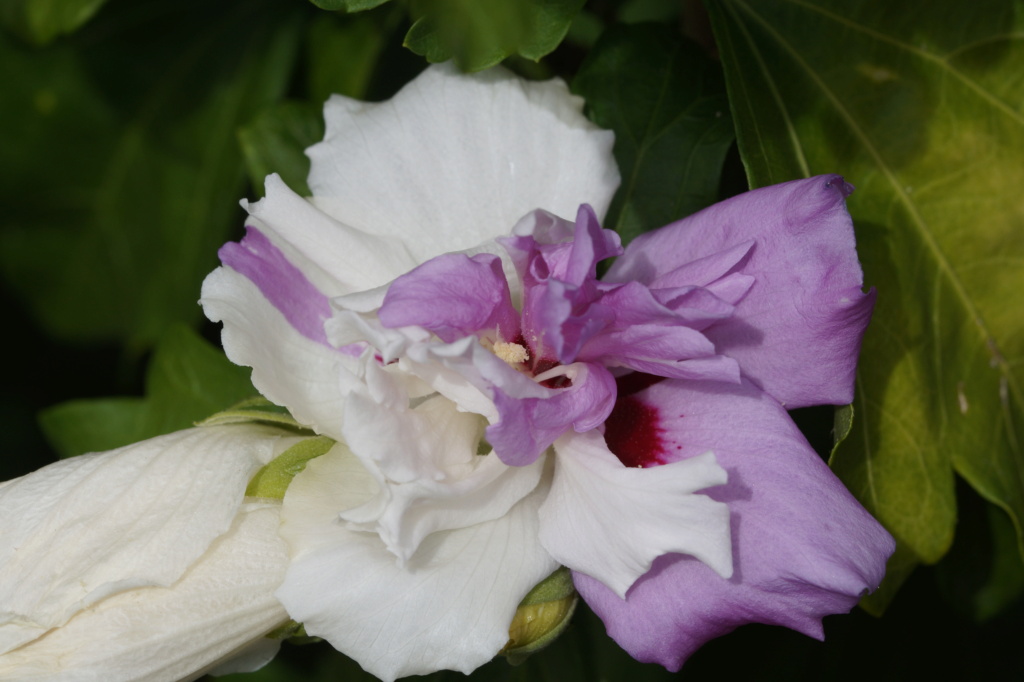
(273, 479)
(541, 617)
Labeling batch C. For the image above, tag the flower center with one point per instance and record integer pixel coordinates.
(512, 353)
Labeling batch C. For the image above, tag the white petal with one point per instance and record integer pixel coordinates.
(288, 368)
(611, 522)
(84, 528)
(217, 609)
(455, 160)
(432, 479)
(249, 659)
(450, 607)
(339, 259)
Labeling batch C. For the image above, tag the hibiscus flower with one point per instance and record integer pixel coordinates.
(501, 411)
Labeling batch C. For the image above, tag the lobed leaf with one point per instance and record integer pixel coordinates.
(478, 34)
(666, 102)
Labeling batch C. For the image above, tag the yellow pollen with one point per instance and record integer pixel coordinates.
(512, 353)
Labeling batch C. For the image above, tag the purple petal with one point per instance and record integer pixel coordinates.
(560, 287)
(797, 332)
(453, 296)
(590, 245)
(304, 306)
(803, 547)
(528, 426)
(560, 318)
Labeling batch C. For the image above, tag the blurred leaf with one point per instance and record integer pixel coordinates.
(478, 34)
(924, 112)
(1005, 582)
(187, 380)
(347, 5)
(636, 11)
(40, 21)
(666, 103)
(128, 165)
(81, 426)
(983, 573)
(276, 140)
(342, 52)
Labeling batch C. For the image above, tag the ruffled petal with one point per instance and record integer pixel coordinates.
(454, 160)
(85, 528)
(803, 547)
(217, 609)
(289, 367)
(432, 478)
(611, 522)
(453, 295)
(338, 257)
(528, 426)
(797, 332)
(448, 608)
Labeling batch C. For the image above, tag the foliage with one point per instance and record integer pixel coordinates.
(133, 128)
(924, 115)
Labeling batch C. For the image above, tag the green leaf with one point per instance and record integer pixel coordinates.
(347, 5)
(40, 21)
(666, 103)
(343, 51)
(275, 142)
(111, 229)
(81, 426)
(187, 380)
(478, 34)
(924, 113)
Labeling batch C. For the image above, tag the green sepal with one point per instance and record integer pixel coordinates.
(541, 617)
(271, 481)
(255, 410)
(294, 632)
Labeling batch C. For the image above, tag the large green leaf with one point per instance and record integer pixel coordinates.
(40, 21)
(666, 103)
(128, 164)
(924, 112)
(480, 33)
(187, 380)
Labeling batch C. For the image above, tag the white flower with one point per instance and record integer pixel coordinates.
(142, 563)
(412, 542)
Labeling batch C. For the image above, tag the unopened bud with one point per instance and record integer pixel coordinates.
(541, 617)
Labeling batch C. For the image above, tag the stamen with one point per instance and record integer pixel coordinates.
(512, 353)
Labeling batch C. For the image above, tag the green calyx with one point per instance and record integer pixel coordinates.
(542, 616)
(273, 479)
(257, 410)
